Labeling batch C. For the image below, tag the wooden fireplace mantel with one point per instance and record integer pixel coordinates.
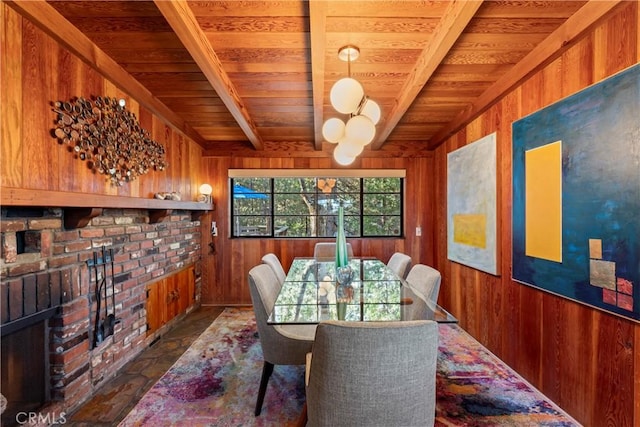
(80, 208)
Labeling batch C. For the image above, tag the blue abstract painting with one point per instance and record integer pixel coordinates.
(598, 239)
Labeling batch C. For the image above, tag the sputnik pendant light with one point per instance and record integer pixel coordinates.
(347, 97)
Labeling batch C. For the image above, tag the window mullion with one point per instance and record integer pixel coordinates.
(361, 207)
(273, 208)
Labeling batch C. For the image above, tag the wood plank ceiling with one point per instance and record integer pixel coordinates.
(255, 75)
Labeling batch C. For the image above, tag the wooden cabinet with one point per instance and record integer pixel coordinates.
(169, 297)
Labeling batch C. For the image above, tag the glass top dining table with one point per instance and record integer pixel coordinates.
(308, 295)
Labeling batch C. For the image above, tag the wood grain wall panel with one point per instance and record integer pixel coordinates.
(133, 106)
(146, 186)
(636, 385)
(580, 59)
(38, 69)
(110, 89)
(586, 360)
(69, 82)
(41, 72)
(233, 258)
(612, 42)
(614, 372)
(11, 97)
(73, 81)
(177, 158)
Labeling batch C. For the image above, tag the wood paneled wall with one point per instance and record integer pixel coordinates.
(35, 71)
(225, 271)
(586, 360)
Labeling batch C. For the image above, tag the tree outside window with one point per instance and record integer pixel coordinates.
(308, 206)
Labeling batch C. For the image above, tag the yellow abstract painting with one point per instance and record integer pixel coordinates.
(472, 205)
(543, 202)
(470, 230)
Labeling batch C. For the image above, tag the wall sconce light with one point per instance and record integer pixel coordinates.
(205, 193)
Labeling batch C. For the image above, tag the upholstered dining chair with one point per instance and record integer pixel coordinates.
(372, 374)
(281, 344)
(328, 250)
(400, 264)
(273, 261)
(425, 281)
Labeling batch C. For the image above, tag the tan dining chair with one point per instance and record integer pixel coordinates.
(400, 264)
(281, 344)
(372, 374)
(328, 250)
(425, 282)
(273, 261)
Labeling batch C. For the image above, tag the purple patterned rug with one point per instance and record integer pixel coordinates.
(215, 382)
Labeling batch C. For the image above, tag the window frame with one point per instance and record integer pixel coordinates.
(271, 175)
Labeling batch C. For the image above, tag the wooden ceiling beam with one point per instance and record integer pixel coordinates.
(184, 23)
(317, 24)
(453, 22)
(549, 49)
(49, 20)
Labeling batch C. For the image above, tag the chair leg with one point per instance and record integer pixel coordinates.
(267, 370)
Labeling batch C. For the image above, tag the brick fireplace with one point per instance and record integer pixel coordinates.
(50, 361)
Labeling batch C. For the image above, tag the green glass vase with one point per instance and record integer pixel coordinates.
(342, 258)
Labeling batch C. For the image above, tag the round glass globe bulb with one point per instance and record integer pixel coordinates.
(360, 129)
(341, 157)
(346, 95)
(205, 189)
(371, 109)
(333, 130)
(351, 147)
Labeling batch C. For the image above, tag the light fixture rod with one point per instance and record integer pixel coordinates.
(348, 53)
(360, 106)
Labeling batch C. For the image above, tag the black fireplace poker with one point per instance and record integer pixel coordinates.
(103, 326)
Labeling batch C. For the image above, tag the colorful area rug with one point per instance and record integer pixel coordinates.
(215, 382)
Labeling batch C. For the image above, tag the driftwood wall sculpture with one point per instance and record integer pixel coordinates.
(108, 136)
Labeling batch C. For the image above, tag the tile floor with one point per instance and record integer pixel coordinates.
(116, 398)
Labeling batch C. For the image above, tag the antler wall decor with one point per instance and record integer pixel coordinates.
(107, 135)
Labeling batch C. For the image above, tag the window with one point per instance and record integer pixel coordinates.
(307, 206)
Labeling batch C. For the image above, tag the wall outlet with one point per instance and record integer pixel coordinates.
(418, 231)
(214, 229)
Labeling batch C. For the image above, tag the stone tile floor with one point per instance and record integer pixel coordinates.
(116, 398)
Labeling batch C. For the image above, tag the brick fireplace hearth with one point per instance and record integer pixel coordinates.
(48, 304)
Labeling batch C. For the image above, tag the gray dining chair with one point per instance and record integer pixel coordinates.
(372, 374)
(425, 282)
(273, 261)
(281, 344)
(328, 250)
(400, 264)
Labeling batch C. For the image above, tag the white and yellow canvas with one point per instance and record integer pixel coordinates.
(471, 205)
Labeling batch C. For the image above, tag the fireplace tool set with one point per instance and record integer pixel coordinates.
(104, 326)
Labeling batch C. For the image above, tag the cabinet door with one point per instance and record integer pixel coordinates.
(155, 304)
(186, 289)
(192, 285)
(172, 296)
(169, 297)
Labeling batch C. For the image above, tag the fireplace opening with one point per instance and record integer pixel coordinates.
(23, 212)
(25, 371)
(27, 242)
